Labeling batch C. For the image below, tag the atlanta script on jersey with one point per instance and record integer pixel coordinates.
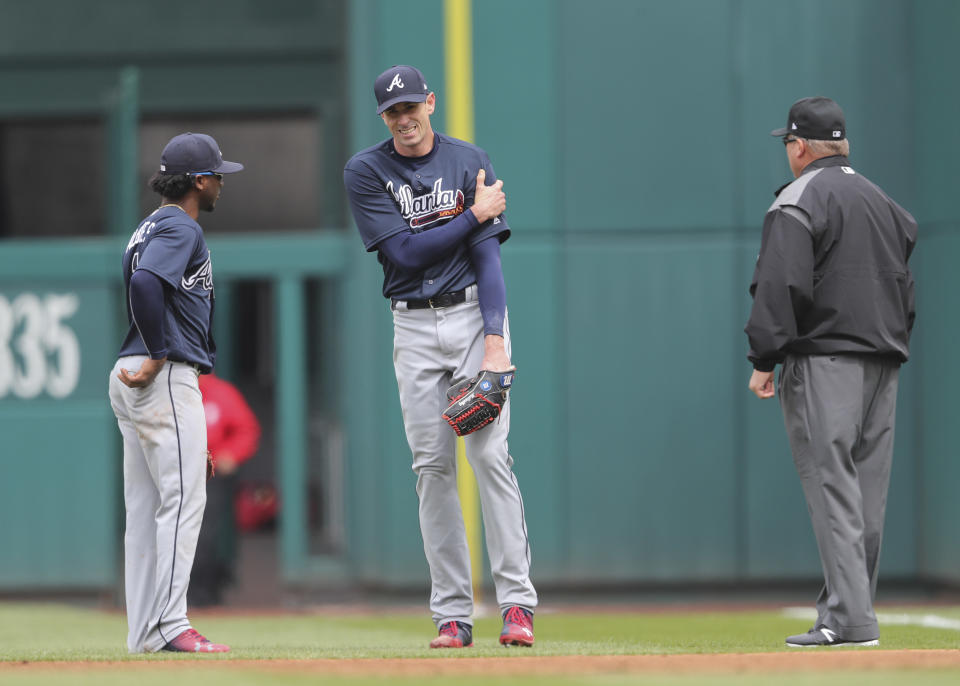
(422, 210)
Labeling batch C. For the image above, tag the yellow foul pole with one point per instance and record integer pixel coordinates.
(458, 101)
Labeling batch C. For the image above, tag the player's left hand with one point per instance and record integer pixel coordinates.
(495, 354)
(211, 466)
(761, 383)
(144, 376)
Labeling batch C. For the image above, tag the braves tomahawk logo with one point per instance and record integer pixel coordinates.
(426, 209)
(397, 81)
(202, 276)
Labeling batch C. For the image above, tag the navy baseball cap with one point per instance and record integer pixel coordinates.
(816, 118)
(195, 153)
(399, 83)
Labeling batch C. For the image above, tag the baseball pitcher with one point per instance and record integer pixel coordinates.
(432, 209)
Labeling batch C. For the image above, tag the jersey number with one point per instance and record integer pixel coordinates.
(38, 352)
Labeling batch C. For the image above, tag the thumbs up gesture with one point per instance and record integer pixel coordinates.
(488, 201)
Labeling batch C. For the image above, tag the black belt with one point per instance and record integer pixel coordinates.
(436, 302)
(189, 364)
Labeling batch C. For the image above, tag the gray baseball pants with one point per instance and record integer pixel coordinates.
(433, 349)
(164, 490)
(839, 413)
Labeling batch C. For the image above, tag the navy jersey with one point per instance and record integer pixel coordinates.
(170, 244)
(390, 193)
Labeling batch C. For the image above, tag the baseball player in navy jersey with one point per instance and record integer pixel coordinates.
(156, 398)
(432, 208)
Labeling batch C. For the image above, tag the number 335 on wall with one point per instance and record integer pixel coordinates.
(38, 352)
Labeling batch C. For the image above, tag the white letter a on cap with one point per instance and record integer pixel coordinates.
(396, 82)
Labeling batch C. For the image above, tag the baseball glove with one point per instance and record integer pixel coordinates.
(476, 402)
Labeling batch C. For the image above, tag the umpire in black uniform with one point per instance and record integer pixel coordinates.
(834, 303)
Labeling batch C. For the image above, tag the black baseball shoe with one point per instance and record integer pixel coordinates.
(453, 635)
(822, 636)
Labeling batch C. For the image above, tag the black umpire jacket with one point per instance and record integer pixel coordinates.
(832, 274)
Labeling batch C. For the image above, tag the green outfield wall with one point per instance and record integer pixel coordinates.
(633, 141)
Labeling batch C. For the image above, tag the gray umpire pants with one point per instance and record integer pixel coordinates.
(839, 413)
(434, 349)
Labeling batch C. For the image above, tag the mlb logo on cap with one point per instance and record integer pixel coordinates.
(815, 118)
(399, 83)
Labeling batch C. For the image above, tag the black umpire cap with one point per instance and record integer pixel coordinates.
(399, 83)
(817, 118)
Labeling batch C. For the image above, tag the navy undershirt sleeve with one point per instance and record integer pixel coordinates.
(147, 309)
(414, 251)
(491, 290)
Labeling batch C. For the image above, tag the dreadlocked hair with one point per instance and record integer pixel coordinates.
(171, 186)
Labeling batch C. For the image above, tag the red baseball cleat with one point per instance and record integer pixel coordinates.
(453, 635)
(517, 627)
(190, 641)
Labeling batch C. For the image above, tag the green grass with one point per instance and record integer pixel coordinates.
(57, 632)
(231, 677)
(51, 632)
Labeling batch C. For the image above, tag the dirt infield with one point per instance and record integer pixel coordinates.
(814, 660)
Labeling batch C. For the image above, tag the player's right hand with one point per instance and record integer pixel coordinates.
(144, 376)
(488, 201)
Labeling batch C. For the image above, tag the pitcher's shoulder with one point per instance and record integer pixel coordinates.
(456, 143)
